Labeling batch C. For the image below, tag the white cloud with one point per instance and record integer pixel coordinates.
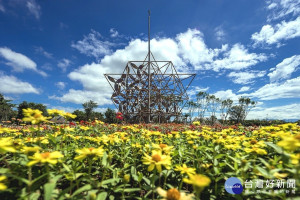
(18, 61)
(227, 94)
(41, 50)
(34, 8)
(81, 96)
(2, 9)
(12, 85)
(195, 90)
(92, 45)
(290, 111)
(288, 89)
(282, 8)
(219, 33)
(64, 64)
(284, 69)
(245, 77)
(113, 33)
(60, 85)
(193, 49)
(237, 58)
(244, 89)
(275, 34)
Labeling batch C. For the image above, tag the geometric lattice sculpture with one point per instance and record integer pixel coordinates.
(149, 90)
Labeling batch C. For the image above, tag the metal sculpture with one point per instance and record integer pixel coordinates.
(149, 90)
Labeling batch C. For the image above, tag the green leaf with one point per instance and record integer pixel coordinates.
(133, 170)
(263, 171)
(111, 197)
(102, 196)
(66, 167)
(110, 181)
(220, 156)
(48, 188)
(27, 182)
(132, 189)
(35, 195)
(104, 159)
(275, 147)
(147, 180)
(264, 162)
(38, 178)
(82, 189)
(140, 177)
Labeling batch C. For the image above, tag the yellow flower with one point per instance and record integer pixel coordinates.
(69, 115)
(2, 186)
(163, 147)
(6, 145)
(206, 165)
(33, 116)
(56, 112)
(46, 157)
(280, 176)
(84, 128)
(27, 150)
(290, 142)
(173, 194)
(89, 152)
(198, 180)
(99, 122)
(157, 160)
(196, 123)
(185, 170)
(295, 158)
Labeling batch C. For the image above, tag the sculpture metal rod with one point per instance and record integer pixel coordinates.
(149, 75)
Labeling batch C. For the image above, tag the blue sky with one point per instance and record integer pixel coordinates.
(56, 52)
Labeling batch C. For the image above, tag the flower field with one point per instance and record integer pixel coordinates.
(94, 160)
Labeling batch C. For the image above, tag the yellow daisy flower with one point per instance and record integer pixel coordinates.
(198, 180)
(157, 160)
(163, 147)
(34, 116)
(27, 150)
(6, 145)
(173, 194)
(56, 112)
(185, 170)
(46, 157)
(89, 152)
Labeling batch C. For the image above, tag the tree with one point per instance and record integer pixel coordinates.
(110, 116)
(213, 105)
(6, 109)
(98, 115)
(202, 104)
(247, 105)
(32, 105)
(80, 115)
(239, 112)
(191, 108)
(225, 107)
(89, 107)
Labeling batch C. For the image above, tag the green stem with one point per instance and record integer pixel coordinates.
(30, 179)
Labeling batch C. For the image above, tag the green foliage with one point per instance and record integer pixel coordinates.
(6, 109)
(110, 116)
(80, 115)
(88, 108)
